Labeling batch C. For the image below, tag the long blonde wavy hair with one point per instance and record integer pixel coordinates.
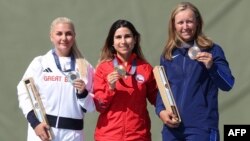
(174, 40)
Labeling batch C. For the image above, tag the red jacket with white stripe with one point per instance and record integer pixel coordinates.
(123, 111)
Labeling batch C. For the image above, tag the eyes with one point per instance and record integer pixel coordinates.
(126, 36)
(186, 21)
(69, 33)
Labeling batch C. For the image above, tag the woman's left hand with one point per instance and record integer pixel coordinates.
(206, 58)
(80, 85)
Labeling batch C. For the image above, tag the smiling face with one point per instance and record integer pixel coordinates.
(63, 37)
(124, 42)
(185, 24)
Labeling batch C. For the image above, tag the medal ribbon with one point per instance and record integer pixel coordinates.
(132, 70)
(57, 61)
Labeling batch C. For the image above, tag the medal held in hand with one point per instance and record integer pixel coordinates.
(193, 51)
(121, 70)
(72, 76)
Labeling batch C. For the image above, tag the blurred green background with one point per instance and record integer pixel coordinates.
(24, 28)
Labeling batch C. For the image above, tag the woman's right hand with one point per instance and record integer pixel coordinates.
(41, 131)
(112, 78)
(169, 119)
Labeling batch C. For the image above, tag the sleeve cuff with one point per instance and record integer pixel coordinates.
(82, 95)
(32, 119)
(159, 109)
(213, 70)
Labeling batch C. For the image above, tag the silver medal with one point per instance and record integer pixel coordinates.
(73, 76)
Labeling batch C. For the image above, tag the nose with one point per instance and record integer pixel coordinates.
(64, 37)
(123, 40)
(185, 25)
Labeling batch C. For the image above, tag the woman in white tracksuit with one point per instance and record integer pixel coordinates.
(65, 101)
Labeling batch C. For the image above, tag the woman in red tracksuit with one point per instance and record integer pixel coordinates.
(121, 95)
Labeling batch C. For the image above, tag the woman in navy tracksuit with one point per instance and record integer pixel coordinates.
(195, 80)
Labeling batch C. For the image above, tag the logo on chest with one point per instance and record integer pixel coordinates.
(139, 78)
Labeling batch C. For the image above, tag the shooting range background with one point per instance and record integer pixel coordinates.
(24, 27)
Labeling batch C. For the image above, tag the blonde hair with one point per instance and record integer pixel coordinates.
(80, 60)
(174, 40)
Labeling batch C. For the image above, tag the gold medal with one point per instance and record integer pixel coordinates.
(121, 70)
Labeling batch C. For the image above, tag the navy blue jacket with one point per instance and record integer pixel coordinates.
(195, 87)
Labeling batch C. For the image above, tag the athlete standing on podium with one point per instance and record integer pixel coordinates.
(66, 101)
(121, 98)
(195, 78)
